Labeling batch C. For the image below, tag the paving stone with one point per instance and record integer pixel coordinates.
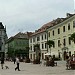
(36, 69)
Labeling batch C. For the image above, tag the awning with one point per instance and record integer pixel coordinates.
(47, 53)
(52, 53)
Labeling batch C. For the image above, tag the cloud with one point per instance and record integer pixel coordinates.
(29, 15)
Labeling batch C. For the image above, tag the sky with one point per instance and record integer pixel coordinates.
(30, 15)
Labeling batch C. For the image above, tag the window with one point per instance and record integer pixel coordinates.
(63, 28)
(33, 39)
(45, 36)
(64, 42)
(54, 45)
(69, 41)
(73, 24)
(58, 43)
(45, 45)
(42, 46)
(30, 40)
(69, 26)
(49, 34)
(53, 32)
(42, 37)
(58, 31)
(38, 38)
(31, 47)
(16, 42)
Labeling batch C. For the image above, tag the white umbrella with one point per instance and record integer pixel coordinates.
(47, 54)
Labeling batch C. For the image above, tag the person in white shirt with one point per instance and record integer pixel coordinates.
(17, 62)
(73, 57)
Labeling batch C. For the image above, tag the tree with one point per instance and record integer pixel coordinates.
(73, 37)
(37, 51)
(50, 43)
(10, 53)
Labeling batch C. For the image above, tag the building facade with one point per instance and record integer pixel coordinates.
(58, 30)
(39, 37)
(18, 45)
(60, 33)
(3, 38)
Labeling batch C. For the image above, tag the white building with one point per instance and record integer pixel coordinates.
(58, 30)
(60, 33)
(39, 37)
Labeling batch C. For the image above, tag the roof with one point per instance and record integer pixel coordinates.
(20, 36)
(51, 24)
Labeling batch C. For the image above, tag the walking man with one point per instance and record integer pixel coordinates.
(2, 62)
(17, 62)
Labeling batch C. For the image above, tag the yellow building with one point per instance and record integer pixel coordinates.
(60, 33)
(58, 30)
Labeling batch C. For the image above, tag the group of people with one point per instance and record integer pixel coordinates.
(15, 60)
(69, 60)
(50, 61)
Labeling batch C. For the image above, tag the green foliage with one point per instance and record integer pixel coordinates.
(10, 53)
(37, 51)
(36, 45)
(50, 43)
(73, 37)
(22, 52)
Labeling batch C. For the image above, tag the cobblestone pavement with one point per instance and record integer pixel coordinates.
(34, 69)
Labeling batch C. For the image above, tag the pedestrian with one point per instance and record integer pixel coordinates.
(2, 62)
(17, 62)
(73, 58)
(68, 61)
(14, 60)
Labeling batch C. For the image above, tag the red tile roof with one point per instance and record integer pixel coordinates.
(51, 24)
